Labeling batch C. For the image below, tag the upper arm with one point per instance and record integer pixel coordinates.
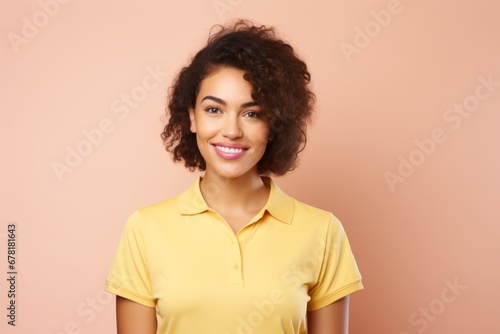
(133, 318)
(331, 319)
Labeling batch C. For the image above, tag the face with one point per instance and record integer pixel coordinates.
(231, 135)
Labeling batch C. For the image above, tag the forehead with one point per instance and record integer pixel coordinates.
(226, 83)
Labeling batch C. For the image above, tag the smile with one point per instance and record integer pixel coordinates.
(229, 153)
(229, 149)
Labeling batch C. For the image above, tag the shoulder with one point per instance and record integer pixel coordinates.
(165, 209)
(169, 212)
(303, 215)
(150, 221)
(293, 211)
(312, 217)
(306, 210)
(162, 207)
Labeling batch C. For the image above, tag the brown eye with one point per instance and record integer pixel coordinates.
(212, 110)
(252, 114)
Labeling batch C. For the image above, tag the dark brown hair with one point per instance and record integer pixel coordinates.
(280, 82)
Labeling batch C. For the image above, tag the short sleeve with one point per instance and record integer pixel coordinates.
(339, 275)
(128, 275)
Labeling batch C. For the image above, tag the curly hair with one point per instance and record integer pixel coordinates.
(280, 84)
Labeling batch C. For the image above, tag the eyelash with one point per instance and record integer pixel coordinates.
(211, 109)
(256, 114)
(214, 110)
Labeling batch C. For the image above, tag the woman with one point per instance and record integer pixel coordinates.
(233, 253)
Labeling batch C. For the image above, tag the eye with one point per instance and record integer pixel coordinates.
(212, 110)
(252, 114)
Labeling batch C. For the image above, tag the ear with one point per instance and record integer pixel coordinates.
(270, 136)
(192, 127)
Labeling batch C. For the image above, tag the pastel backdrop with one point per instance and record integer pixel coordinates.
(404, 148)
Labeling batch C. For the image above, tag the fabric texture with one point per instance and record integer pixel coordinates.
(182, 258)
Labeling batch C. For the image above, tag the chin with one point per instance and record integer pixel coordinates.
(231, 175)
(235, 173)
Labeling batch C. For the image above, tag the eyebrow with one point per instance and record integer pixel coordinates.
(221, 101)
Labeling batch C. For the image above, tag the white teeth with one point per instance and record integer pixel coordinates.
(231, 150)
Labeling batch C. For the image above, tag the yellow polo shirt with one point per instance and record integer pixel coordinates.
(182, 258)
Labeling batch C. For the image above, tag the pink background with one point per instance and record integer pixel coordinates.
(69, 72)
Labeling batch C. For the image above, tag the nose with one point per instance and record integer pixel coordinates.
(231, 128)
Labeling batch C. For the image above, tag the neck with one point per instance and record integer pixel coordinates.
(247, 192)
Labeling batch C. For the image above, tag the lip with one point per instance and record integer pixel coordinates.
(231, 145)
(228, 155)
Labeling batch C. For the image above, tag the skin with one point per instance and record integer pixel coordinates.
(133, 318)
(226, 114)
(331, 319)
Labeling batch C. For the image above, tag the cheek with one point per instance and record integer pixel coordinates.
(261, 139)
(205, 129)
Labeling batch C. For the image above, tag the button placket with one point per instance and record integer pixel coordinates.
(236, 276)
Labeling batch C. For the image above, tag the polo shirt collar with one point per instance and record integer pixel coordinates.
(191, 201)
(279, 204)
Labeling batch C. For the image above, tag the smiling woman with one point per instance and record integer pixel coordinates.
(234, 253)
